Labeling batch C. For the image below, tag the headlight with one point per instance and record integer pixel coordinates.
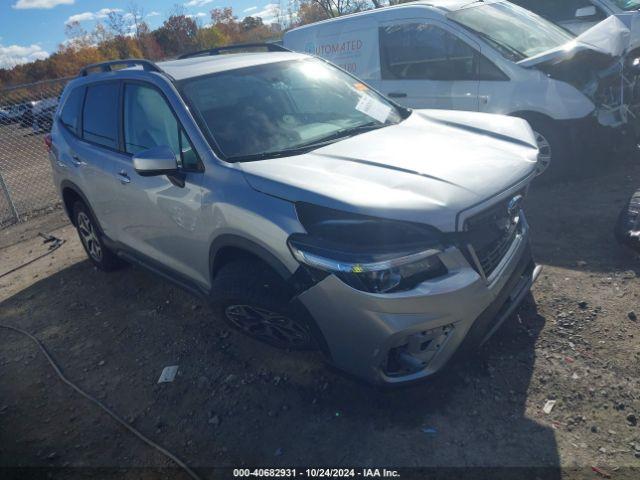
(370, 254)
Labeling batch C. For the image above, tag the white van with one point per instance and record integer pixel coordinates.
(489, 56)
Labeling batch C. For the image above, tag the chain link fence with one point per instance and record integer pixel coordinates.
(26, 115)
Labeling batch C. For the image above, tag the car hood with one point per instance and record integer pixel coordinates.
(426, 169)
(610, 38)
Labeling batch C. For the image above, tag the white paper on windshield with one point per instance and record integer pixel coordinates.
(373, 108)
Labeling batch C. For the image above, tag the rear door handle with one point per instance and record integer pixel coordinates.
(397, 95)
(124, 177)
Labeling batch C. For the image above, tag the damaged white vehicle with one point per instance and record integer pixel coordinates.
(489, 56)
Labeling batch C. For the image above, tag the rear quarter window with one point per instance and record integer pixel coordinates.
(70, 115)
(100, 114)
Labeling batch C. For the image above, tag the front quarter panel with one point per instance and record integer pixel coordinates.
(530, 90)
(231, 208)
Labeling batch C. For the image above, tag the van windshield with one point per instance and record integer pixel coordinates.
(515, 32)
(284, 108)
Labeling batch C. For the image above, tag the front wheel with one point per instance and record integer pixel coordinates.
(544, 155)
(554, 157)
(255, 300)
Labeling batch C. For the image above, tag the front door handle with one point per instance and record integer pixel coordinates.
(124, 177)
(397, 95)
(77, 161)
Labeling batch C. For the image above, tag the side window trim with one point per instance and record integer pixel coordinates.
(84, 102)
(181, 129)
(460, 36)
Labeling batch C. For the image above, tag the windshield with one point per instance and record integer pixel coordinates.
(275, 109)
(627, 4)
(517, 33)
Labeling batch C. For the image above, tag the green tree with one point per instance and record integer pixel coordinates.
(178, 34)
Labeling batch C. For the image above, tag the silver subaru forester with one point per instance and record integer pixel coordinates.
(311, 211)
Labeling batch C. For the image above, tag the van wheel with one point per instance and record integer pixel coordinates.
(554, 160)
(91, 239)
(255, 300)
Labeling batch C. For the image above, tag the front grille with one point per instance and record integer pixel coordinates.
(491, 233)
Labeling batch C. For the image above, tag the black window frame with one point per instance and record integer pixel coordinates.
(122, 146)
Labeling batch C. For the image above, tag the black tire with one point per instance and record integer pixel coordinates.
(557, 146)
(253, 299)
(92, 239)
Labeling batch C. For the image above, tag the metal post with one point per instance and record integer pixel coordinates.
(5, 190)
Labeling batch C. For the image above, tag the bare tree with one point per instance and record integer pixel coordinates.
(118, 23)
(336, 8)
(136, 18)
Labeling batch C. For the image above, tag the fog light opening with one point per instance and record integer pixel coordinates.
(416, 351)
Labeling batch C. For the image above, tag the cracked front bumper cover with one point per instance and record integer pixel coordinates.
(424, 327)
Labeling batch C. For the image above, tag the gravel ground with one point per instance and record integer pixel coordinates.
(236, 402)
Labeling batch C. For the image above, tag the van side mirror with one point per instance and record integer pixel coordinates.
(156, 161)
(586, 12)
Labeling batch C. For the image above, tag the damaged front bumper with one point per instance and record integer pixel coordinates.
(406, 336)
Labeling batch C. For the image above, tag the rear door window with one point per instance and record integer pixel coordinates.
(70, 115)
(100, 114)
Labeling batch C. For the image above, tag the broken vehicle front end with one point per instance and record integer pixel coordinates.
(602, 65)
(411, 314)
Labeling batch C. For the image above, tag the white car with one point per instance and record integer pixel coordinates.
(579, 16)
(489, 56)
(42, 112)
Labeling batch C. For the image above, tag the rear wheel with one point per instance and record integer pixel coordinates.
(92, 239)
(255, 300)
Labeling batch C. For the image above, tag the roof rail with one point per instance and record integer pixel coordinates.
(270, 47)
(147, 65)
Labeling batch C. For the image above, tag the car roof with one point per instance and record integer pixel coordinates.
(441, 7)
(205, 65)
(448, 5)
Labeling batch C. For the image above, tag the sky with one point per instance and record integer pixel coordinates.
(33, 29)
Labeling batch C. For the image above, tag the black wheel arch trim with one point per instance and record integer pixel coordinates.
(67, 184)
(242, 243)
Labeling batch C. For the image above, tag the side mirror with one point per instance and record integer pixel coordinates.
(586, 12)
(156, 161)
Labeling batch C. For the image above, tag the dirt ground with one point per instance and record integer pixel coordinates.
(236, 402)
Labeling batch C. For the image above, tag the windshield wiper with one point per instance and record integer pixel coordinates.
(307, 147)
(350, 131)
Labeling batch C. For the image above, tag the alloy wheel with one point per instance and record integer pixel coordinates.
(544, 155)
(270, 327)
(89, 237)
